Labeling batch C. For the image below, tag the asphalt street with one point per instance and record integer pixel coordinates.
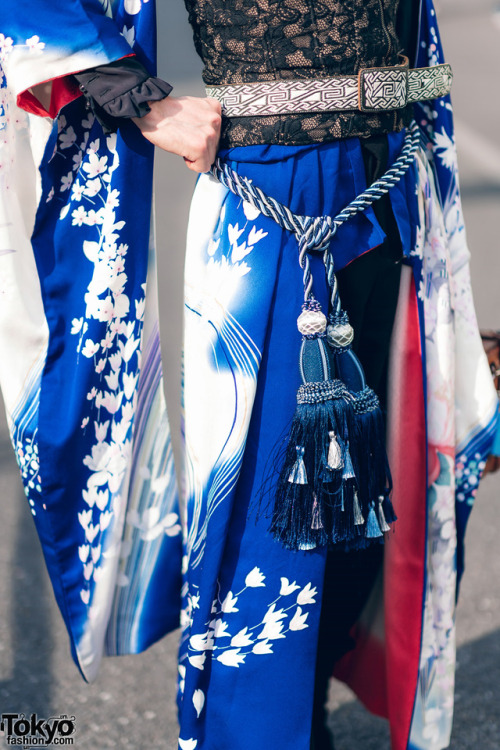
(132, 703)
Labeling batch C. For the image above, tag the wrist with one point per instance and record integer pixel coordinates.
(153, 118)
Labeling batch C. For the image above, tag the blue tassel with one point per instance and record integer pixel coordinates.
(335, 460)
(384, 526)
(348, 472)
(316, 516)
(298, 473)
(358, 516)
(372, 527)
(335, 463)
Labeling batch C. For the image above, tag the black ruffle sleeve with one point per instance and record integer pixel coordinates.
(120, 89)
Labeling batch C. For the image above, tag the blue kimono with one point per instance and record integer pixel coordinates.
(83, 390)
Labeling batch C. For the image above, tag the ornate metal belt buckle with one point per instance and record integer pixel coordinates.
(382, 88)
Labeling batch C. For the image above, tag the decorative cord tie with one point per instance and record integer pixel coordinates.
(334, 486)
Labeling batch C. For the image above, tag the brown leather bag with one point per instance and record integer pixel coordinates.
(491, 343)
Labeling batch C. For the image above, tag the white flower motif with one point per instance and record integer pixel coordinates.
(105, 519)
(113, 201)
(187, 744)
(128, 349)
(219, 627)
(85, 596)
(229, 602)
(96, 165)
(90, 496)
(250, 211)
(77, 161)
(66, 181)
(287, 587)
(132, 7)
(240, 251)
(140, 306)
(6, 44)
(115, 360)
(203, 642)
(198, 701)
(129, 34)
(234, 233)
(112, 380)
(93, 218)
(198, 661)
(307, 595)
(91, 532)
(232, 657)
(255, 578)
(298, 621)
(271, 631)
(83, 552)
(92, 187)
(241, 639)
(101, 430)
(262, 647)
(129, 384)
(274, 615)
(76, 325)
(90, 348)
(87, 570)
(107, 341)
(68, 138)
(34, 44)
(112, 402)
(446, 149)
(79, 215)
(256, 235)
(102, 499)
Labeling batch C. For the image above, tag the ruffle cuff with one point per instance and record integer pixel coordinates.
(121, 89)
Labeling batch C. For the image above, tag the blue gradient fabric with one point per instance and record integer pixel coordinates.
(81, 371)
(81, 376)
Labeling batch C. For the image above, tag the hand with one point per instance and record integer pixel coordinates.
(187, 126)
(492, 465)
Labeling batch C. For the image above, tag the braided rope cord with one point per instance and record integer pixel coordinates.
(314, 233)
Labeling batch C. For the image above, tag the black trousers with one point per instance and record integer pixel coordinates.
(369, 289)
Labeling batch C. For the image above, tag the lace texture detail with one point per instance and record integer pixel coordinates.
(243, 41)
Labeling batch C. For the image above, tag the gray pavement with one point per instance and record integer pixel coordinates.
(132, 702)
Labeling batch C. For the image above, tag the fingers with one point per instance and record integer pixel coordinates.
(187, 126)
(204, 142)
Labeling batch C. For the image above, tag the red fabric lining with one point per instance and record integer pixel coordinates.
(64, 90)
(405, 552)
(383, 669)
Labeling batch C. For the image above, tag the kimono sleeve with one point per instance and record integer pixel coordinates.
(43, 41)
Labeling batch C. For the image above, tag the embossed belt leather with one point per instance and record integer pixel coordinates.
(372, 90)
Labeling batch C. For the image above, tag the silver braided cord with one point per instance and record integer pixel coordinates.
(314, 233)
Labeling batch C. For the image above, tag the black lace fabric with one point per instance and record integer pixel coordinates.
(243, 41)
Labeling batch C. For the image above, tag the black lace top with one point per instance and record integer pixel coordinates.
(242, 41)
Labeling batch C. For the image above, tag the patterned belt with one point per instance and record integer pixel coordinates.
(372, 90)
